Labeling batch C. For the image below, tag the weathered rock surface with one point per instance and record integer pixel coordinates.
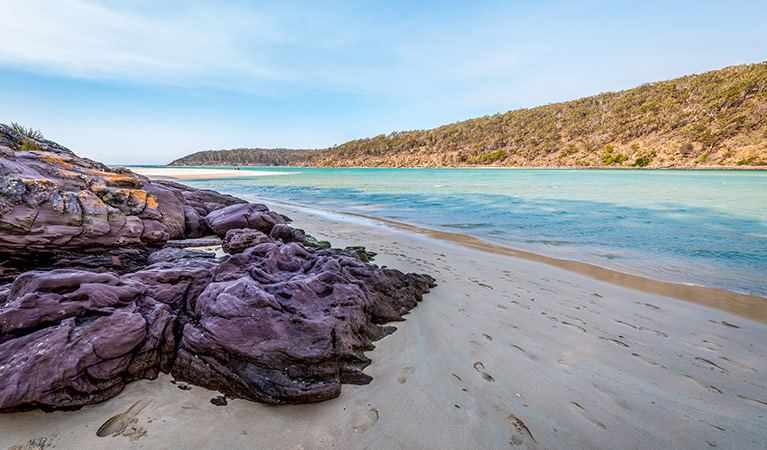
(275, 324)
(69, 338)
(280, 324)
(238, 240)
(283, 320)
(52, 201)
(251, 215)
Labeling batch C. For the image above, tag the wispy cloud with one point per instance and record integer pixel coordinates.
(253, 49)
(198, 45)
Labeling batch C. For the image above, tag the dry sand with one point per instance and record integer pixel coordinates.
(181, 173)
(504, 353)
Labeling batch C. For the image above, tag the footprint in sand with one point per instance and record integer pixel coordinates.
(524, 352)
(658, 333)
(520, 304)
(705, 386)
(479, 367)
(614, 341)
(647, 305)
(753, 400)
(700, 347)
(371, 417)
(487, 336)
(727, 324)
(739, 364)
(625, 324)
(610, 393)
(712, 364)
(118, 423)
(577, 327)
(648, 361)
(583, 413)
(577, 319)
(520, 434)
(403, 374)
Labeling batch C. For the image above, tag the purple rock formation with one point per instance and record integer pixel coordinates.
(283, 320)
(275, 324)
(251, 215)
(70, 338)
(238, 240)
(280, 324)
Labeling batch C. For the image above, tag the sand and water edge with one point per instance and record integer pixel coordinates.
(507, 351)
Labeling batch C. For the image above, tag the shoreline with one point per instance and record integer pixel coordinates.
(683, 168)
(503, 350)
(747, 306)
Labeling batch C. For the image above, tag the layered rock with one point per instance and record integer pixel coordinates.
(53, 203)
(275, 324)
(283, 320)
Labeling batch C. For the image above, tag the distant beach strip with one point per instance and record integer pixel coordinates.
(202, 174)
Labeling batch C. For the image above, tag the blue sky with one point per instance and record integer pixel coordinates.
(131, 82)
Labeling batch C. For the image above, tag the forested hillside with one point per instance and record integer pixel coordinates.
(714, 119)
(246, 157)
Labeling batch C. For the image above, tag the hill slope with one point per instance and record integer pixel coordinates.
(714, 119)
(246, 157)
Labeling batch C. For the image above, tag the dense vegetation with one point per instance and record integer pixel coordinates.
(714, 119)
(246, 157)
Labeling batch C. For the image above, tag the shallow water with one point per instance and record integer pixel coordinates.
(706, 228)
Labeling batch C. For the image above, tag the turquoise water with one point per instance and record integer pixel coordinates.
(705, 228)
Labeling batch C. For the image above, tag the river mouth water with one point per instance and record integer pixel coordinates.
(702, 228)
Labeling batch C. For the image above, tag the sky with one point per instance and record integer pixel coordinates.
(146, 82)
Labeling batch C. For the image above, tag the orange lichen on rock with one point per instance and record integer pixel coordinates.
(52, 158)
(88, 198)
(39, 182)
(151, 202)
(133, 197)
(115, 179)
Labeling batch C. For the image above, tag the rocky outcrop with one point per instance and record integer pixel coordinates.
(275, 324)
(53, 203)
(280, 324)
(283, 320)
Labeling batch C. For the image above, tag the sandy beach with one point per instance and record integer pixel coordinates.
(173, 173)
(505, 352)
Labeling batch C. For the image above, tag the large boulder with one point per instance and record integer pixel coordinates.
(70, 338)
(238, 240)
(280, 324)
(251, 215)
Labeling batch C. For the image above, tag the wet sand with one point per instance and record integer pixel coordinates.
(505, 352)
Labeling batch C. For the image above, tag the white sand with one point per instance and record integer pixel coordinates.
(499, 343)
(182, 173)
